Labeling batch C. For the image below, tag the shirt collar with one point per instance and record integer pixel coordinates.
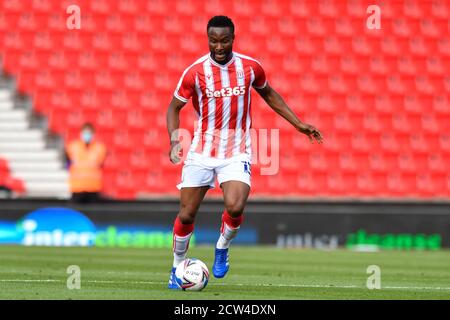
(222, 65)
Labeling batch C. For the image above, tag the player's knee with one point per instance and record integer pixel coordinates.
(186, 218)
(187, 214)
(235, 208)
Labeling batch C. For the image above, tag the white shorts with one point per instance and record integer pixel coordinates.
(199, 171)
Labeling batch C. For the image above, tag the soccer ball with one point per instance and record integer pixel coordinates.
(192, 275)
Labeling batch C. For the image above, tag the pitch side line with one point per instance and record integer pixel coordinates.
(235, 284)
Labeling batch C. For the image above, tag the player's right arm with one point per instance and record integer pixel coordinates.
(181, 96)
(173, 124)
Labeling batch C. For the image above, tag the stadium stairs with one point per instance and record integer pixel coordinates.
(36, 168)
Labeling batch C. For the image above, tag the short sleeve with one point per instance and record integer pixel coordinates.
(260, 76)
(186, 85)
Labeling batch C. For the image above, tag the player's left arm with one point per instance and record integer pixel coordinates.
(276, 102)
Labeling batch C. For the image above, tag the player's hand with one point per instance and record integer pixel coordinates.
(311, 132)
(176, 152)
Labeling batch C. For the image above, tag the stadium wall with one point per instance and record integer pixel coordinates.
(303, 224)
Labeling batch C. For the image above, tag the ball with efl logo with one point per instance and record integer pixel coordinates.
(192, 275)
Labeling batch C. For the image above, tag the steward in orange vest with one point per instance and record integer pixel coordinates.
(86, 158)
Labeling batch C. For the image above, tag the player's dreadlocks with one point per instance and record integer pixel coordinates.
(220, 22)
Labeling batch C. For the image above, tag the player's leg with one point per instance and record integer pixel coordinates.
(235, 194)
(190, 200)
(197, 178)
(234, 178)
(235, 197)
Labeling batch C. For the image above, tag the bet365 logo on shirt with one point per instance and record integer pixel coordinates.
(226, 92)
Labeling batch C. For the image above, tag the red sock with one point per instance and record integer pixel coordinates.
(228, 230)
(230, 221)
(181, 235)
(181, 229)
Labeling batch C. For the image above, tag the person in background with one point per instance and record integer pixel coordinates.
(85, 158)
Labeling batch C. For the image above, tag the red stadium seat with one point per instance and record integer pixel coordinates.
(382, 163)
(444, 142)
(440, 9)
(432, 124)
(344, 122)
(349, 163)
(362, 142)
(28, 22)
(438, 164)
(14, 40)
(302, 9)
(55, 22)
(306, 46)
(17, 185)
(436, 66)
(287, 26)
(319, 162)
(401, 123)
(440, 105)
(409, 164)
(13, 6)
(4, 167)
(357, 103)
(419, 46)
(356, 8)
(370, 185)
(385, 104)
(343, 27)
(392, 46)
(339, 184)
(381, 66)
(334, 144)
(412, 9)
(443, 46)
(125, 183)
(404, 28)
(427, 186)
(7, 180)
(361, 46)
(74, 41)
(431, 29)
(400, 185)
(373, 123)
(420, 144)
(100, 6)
(407, 65)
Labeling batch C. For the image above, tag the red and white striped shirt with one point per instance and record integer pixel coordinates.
(221, 95)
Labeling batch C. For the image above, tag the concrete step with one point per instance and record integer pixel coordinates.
(27, 166)
(35, 146)
(30, 135)
(5, 94)
(12, 115)
(6, 105)
(43, 156)
(47, 189)
(10, 126)
(59, 176)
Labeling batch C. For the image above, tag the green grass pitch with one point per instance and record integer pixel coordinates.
(255, 273)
